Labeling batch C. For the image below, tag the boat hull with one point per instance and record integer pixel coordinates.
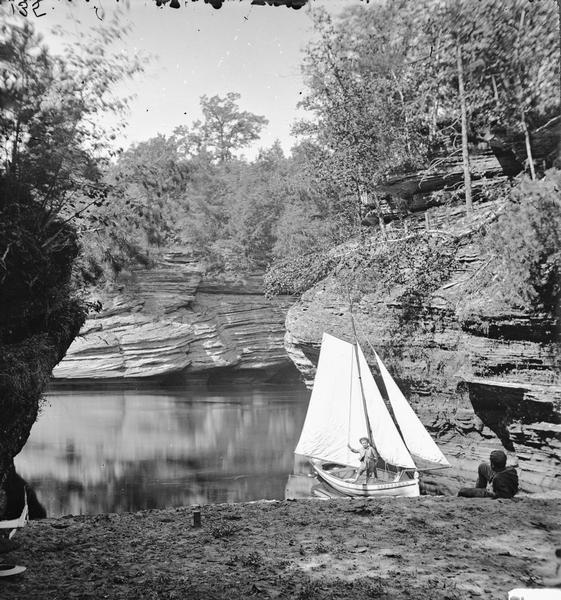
(408, 488)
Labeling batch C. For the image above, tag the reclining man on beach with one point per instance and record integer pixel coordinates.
(503, 479)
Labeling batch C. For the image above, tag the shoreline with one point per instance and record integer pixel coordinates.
(428, 547)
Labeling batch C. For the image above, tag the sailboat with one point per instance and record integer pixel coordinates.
(347, 405)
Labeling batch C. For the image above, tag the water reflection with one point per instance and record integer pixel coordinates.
(304, 483)
(92, 452)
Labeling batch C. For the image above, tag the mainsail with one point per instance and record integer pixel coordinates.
(417, 438)
(332, 421)
(388, 442)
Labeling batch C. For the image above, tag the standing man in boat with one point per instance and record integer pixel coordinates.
(368, 459)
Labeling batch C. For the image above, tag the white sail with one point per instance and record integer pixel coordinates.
(386, 437)
(336, 416)
(417, 438)
(331, 420)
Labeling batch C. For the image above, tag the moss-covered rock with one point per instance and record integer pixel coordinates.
(39, 315)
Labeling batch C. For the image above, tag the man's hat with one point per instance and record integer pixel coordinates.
(364, 438)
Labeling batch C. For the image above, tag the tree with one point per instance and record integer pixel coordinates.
(143, 211)
(50, 130)
(401, 85)
(525, 44)
(224, 128)
(455, 33)
(53, 149)
(363, 80)
(558, 160)
(255, 199)
(510, 53)
(233, 208)
(521, 251)
(384, 84)
(465, 149)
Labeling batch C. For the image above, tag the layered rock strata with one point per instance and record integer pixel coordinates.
(173, 322)
(478, 381)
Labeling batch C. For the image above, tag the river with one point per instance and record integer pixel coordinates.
(114, 451)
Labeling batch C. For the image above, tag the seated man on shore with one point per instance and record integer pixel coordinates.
(502, 479)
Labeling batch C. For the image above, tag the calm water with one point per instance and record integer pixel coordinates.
(116, 451)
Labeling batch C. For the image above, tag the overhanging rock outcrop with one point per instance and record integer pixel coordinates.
(527, 419)
(413, 192)
(172, 321)
(503, 156)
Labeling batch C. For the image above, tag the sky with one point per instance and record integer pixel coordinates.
(255, 51)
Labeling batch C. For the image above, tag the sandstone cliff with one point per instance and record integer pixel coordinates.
(172, 322)
(479, 381)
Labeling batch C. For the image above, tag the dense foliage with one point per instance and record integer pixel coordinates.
(382, 93)
(50, 162)
(383, 86)
(383, 81)
(521, 250)
(231, 214)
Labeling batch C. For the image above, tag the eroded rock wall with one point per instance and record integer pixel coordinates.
(478, 382)
(172, 322)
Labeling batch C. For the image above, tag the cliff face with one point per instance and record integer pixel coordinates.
(478, 381)
(173, 323)
(442, 369)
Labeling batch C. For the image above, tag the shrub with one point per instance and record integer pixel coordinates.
(522, 249)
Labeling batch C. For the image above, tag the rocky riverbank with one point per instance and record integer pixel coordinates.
(416, 548)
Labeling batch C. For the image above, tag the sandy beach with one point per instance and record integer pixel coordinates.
(419, 548)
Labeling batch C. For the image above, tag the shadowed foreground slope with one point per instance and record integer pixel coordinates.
(388, 548)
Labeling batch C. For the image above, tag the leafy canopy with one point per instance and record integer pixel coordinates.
(52, 154)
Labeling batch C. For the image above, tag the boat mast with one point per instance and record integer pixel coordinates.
(368, 428)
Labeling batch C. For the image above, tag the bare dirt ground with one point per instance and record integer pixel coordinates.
(414, 548)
